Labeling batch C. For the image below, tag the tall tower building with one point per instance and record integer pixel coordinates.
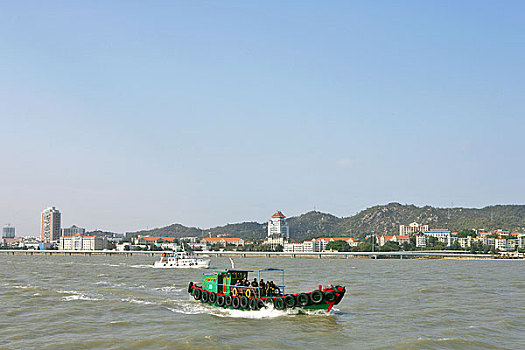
(277, 225)
(8, 231)
(50, 225)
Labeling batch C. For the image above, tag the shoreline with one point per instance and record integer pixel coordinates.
(449, 255)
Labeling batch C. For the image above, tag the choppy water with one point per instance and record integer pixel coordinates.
(77, 302)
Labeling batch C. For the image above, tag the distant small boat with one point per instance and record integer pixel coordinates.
(181, 260)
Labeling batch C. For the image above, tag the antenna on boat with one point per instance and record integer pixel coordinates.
(233, 264)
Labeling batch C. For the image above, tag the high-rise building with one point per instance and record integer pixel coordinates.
(278, 232)
(277, 225)
(73, 230)
(50, 225)
(8, 231)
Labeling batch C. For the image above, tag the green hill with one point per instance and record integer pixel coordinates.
(378, 219)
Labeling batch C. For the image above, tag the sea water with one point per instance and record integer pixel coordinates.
(117, 302)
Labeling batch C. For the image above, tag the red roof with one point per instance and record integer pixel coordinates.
(218, 239)
(336, 239)
(153, 239)
(278, 214)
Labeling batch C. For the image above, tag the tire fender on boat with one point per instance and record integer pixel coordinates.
(289, 301)
(330, 296)
(317, 297)
(278, 303)
(212, 298)
(236, 302)
(244, 302)
(303, 299)
(205, 297)
(197, 294)
(190, 287)
(228, 301)
(254, 305)
(220, 300)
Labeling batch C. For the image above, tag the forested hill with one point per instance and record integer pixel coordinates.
(378, 219)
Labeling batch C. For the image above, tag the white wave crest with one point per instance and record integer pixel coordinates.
(22, 286)
(142, 266)
(136, 301)
(76, 295)
(170, 289)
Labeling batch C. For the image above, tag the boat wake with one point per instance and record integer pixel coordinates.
(194, 308)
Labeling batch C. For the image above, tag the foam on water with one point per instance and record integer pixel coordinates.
(193, 308)
(141, 266)
(76, 295)
(170, 289)
(136, 301)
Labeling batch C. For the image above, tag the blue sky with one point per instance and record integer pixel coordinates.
(131, 114)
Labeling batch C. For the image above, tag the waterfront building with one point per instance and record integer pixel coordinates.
(8, 231)
(223, 241)
(277, 225)
(79, 242)
(412, 229)
(73, 230)
(443, 235)
(50, 225)
(317, 244)
(148, 240)
(521, 241)
(465, 242)
(399, 239)
(278, 231)
(500, 244)
(421, 241)
(293, 247)
(12, 242)
(321, 243)
(309, 246)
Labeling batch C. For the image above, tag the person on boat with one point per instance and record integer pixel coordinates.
(262, 287)
(254, 283)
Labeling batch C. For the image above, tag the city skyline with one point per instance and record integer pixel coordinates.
(134, 116)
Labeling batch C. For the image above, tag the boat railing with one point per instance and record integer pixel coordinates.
(256, 290)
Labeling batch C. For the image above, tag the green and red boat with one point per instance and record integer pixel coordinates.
(228, 289)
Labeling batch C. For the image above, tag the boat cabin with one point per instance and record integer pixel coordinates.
(224, 281)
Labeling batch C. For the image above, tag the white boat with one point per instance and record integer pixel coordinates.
(181, 260)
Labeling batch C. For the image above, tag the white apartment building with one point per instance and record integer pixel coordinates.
(293, 247)
(500, 244)
(50, 225)
(412, 229)
(421, 241)
(80, 242)
(521, 241)
(317, 244)
(395, 238)
(443, 235)
(465, 242)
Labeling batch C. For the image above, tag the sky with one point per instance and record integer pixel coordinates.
(128, 115)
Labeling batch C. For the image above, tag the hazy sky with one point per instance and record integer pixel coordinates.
(136, 114)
